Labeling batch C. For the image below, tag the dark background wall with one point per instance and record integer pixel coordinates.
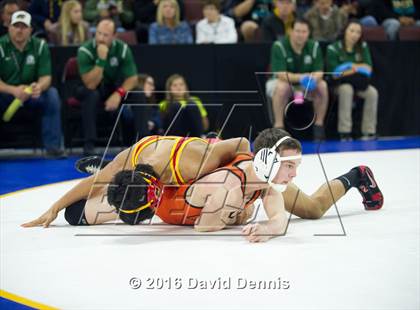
(225, 77)
(234, 67)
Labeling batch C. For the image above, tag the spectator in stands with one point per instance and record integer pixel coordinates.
(192, 120)
(25, 62)
(168, 29)
(248, 15)
(392, 14)
(24, 4)
(298, 60)
(302, 6)
(142, 117)
(350, 59)
(326, 20)
(120, 11)
(357, 9)
(8, 7)
(45, 13)
(145, 14)
(279, 24)
(71, 29)
(108, 72)
(215, 27)
(154, 123)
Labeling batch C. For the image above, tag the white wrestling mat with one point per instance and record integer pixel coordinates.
(375, 265)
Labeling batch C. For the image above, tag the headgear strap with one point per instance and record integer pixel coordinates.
(152, 198)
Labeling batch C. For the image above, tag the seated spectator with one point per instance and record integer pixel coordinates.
(350, 59)
(26, 75)
(120, 11)
(298, 60)
(24, 4)
(8, 7)
(168, 29)
(71, 29)
(248, 15)
(392, 14)
(192, 120)
(214, 27)
(142, 117)
(108, 72)
(279, 24)
(302, 6)
(355, 9)
(145, 14)
(154, 123)
(45, 13)
(326, 20)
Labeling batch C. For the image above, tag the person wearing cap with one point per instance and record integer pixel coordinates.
(25, 62)
(108, 72)
(297, 64)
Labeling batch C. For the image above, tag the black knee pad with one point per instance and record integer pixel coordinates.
(75, 213)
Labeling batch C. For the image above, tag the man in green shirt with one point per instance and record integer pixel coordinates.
(298, 65)
(25, 63)
(108, 72)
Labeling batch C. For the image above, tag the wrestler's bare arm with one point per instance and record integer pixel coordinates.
(219, 204)
(277, 219)
(223, 152)
(82, 190)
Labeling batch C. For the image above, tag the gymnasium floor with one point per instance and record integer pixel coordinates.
(350, 259)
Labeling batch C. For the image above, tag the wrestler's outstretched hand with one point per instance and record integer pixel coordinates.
(44, 220)
(256, 232)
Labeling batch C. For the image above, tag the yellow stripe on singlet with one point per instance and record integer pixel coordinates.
(173, 162)
(176, 167)
(141, 145)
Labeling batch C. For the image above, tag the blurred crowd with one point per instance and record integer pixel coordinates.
(107, 69)
(209, 21)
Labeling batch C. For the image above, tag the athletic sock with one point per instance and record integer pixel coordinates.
(350, 179)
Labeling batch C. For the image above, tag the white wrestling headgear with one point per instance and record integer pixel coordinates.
(267, 163)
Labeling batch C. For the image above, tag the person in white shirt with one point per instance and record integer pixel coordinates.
(215, 27)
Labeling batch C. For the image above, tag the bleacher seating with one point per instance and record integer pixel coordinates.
(409, 33)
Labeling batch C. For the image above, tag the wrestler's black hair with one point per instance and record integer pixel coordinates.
(128, 191)
(269, 137)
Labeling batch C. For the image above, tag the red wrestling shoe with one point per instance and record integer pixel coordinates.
(368, 188)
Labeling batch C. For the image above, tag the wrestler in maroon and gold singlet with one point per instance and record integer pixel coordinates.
(176, 152)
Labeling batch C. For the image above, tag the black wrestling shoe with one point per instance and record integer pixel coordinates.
(368, 188)
(90, 164)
